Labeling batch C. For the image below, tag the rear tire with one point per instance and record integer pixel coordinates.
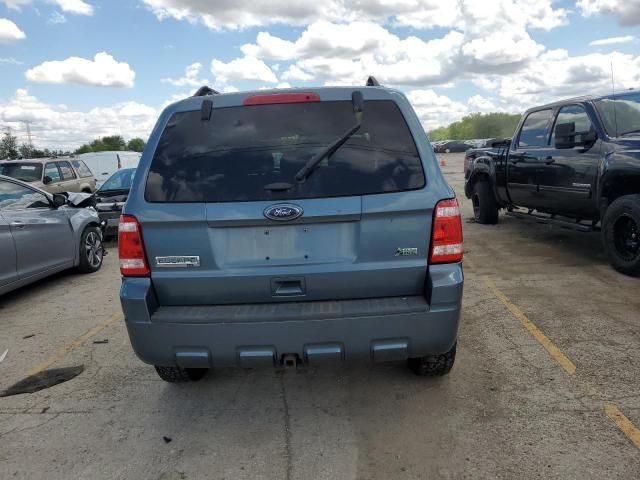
(180, 375)
(434, 365)
(621, 234)
(91, 250)
(485, 207)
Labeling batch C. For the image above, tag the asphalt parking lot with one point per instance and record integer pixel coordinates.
(546, 384)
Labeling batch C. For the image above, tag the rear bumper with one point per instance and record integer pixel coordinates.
(251, 335)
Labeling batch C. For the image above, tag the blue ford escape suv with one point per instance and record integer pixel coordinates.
(290, 226)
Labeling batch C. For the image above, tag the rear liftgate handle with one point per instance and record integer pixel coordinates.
(287, 287)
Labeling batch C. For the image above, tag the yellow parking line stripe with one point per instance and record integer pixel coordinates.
(75, 344)
(628, 428)
(554, 351)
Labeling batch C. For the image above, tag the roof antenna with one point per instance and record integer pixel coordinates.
(613, 96)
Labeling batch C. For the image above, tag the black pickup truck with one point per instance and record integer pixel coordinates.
(575, 163)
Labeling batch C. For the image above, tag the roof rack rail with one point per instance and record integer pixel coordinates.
(372, 82)
(204, 91)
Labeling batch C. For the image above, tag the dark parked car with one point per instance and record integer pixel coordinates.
(111, 197)
(289, 226)
(453, 146)
(575, 163)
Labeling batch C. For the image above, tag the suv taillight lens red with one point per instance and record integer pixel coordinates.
(133, 262)
(446, 236)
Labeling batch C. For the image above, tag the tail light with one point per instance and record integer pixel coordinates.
(119, 162)
(133, 261)
(446, 236)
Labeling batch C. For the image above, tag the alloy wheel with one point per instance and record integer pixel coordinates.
(93, 247)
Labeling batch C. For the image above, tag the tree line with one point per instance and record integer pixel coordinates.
(111, 143)
(9, 148)
(478, 125)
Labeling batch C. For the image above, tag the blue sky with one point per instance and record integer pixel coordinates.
(450, 58)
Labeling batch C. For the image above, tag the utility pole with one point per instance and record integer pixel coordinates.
(29, 138)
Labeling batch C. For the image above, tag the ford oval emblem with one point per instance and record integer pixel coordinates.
(283, 212)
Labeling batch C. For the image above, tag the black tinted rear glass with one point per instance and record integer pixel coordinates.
(240, 150)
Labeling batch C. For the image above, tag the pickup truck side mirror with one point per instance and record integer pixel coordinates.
(567, 137)
(47, 180)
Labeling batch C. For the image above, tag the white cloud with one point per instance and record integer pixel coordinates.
(478, 103)
(50, 123)
(10, 61)
(336, 53)
(190, 78)
(9, 31)
(283, 85)
(75, 6)
(295, 73)
(78, 7)
(245, 68)
(56, 18)
(176, 97)
(102, 71)
(414, 13)
(435, 110)
(613, 41)
(626, 11)
(572, 76)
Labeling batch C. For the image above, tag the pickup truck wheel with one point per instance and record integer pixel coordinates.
(621, 234)
(180, 375)
(434, 365)
(485, 207)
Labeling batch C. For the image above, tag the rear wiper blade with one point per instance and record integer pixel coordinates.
(357, 101)
(305, 171)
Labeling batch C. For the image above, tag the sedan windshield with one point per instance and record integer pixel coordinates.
(620, 114)
(121, 180)
(27, 172)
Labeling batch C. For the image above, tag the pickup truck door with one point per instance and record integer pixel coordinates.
(526, 158)
(568, 175)
(8, 272)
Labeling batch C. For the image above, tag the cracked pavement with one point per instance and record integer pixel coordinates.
(507, 410)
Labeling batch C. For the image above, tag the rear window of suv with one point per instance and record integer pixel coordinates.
(240, 150)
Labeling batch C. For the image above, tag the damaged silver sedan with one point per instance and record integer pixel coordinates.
(41, 234)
